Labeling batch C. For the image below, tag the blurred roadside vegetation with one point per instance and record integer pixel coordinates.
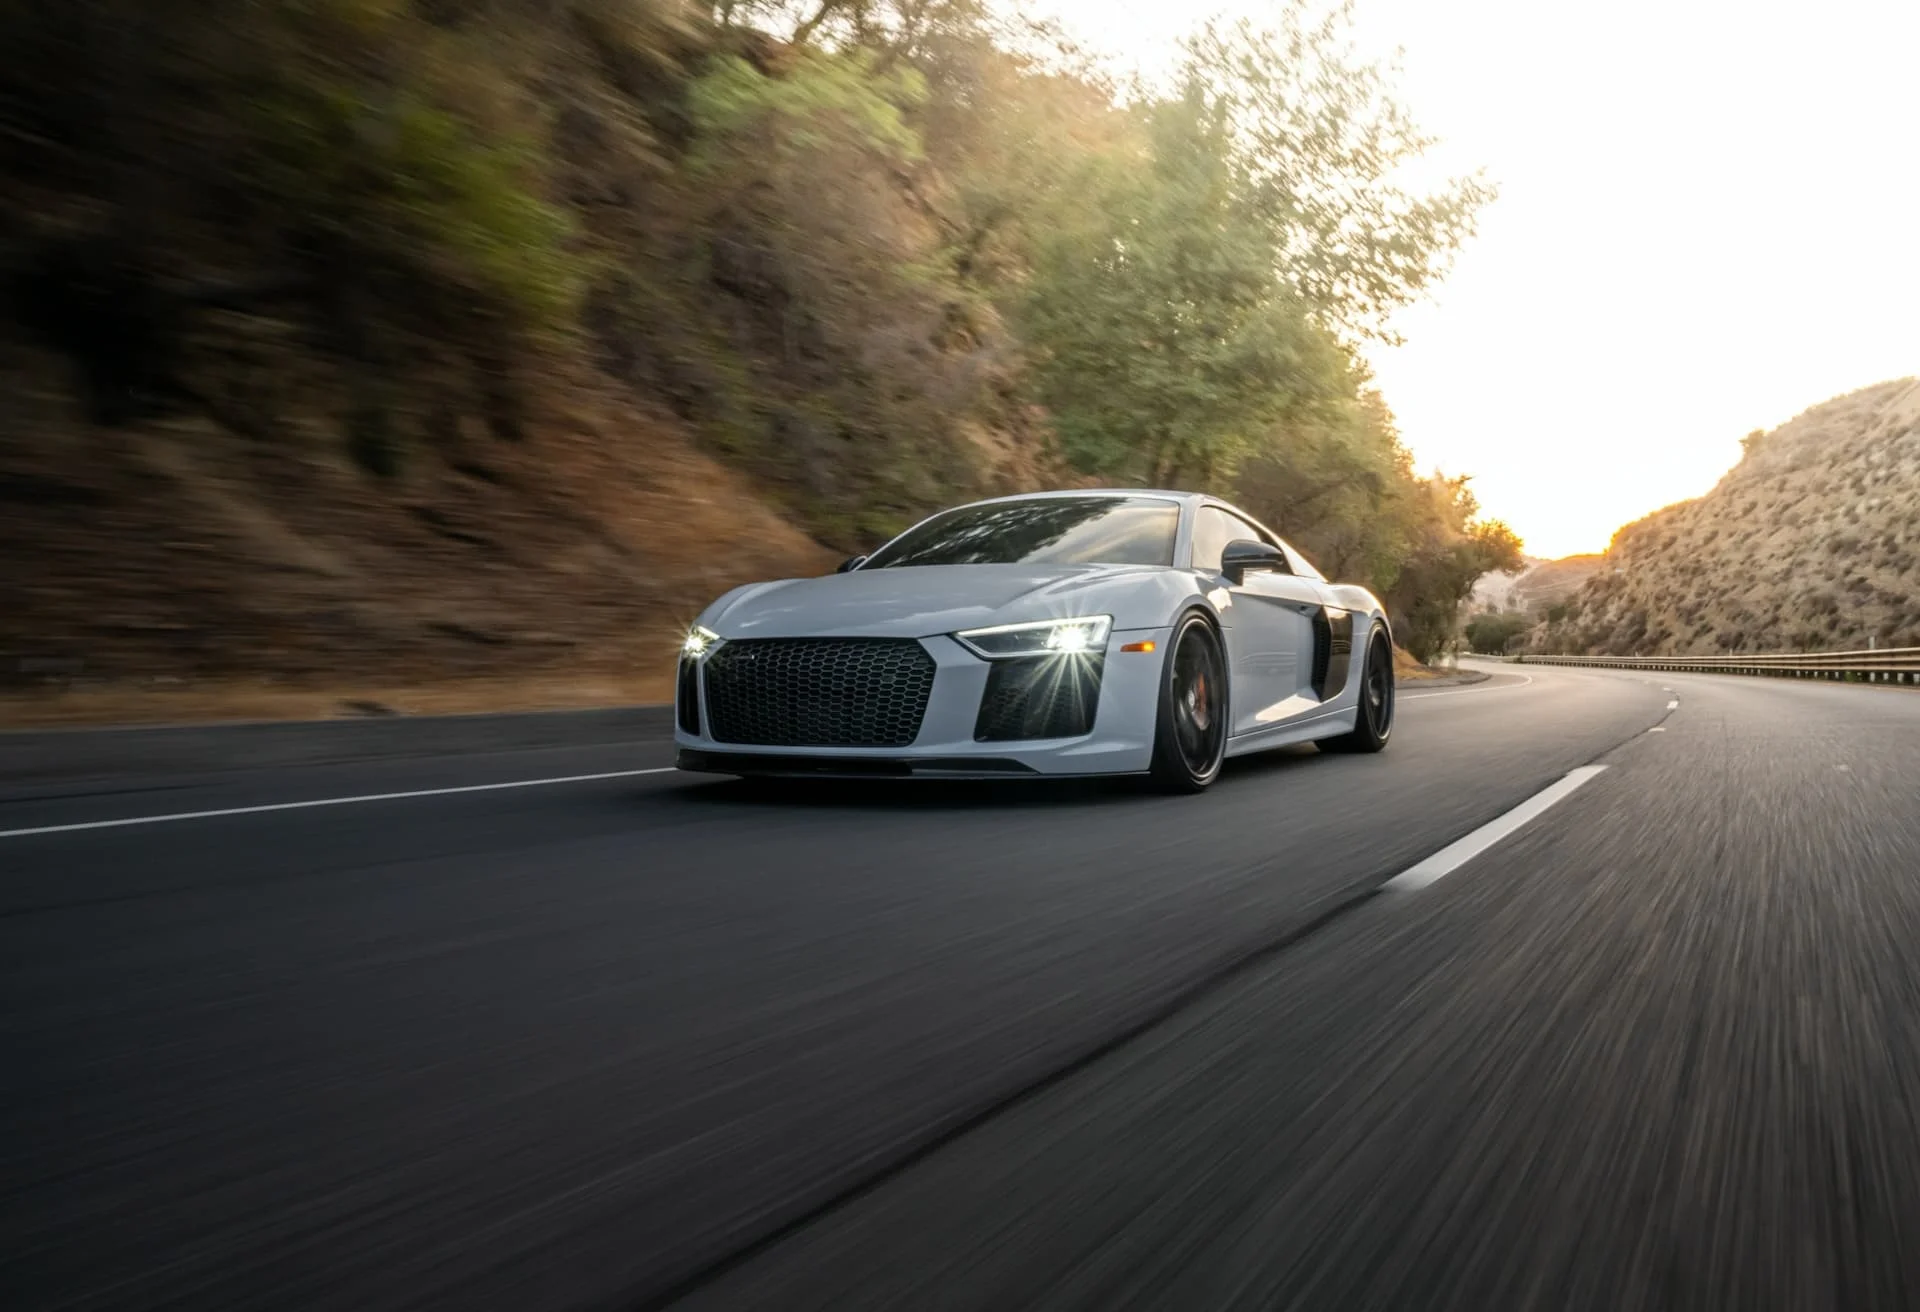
(878, 255)
(1492, 632)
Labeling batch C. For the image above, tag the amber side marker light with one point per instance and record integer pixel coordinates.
(1138, 646)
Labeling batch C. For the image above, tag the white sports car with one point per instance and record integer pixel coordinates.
(1065, 633)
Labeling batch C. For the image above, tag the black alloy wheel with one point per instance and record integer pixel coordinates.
(1190, 741)
(1374, 724)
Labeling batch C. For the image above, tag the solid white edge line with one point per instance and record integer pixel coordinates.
(1456, 854)
(1525, 679)
(330, 801)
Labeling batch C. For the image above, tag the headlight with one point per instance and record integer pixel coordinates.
(1040, 637)
(698, 642)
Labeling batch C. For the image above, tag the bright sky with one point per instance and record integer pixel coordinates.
(1707, 223)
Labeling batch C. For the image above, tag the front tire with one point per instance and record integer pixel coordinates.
(1373, 725)
(1190, 735)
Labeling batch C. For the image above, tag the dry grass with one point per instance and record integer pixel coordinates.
(179, 570)
(1408, 670)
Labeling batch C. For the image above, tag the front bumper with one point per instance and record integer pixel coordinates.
(814, 764)
(1121, 741)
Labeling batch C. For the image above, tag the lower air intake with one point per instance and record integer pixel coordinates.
(1045, 697)
(686, 696)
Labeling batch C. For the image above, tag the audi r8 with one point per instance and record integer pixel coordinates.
(1061, 633)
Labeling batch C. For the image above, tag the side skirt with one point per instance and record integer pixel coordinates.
(1325, 724)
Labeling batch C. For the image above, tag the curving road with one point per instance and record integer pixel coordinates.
(608, 1039)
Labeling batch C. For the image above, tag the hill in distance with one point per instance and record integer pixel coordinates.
(1540, 585)
(1811, 542)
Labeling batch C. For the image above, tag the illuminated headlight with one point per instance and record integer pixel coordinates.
(1085, 634)
(698, 642)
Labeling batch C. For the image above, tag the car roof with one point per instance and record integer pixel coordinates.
(1168, 494)
(1163, 493)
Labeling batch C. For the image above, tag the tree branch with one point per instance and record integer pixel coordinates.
(803, 33)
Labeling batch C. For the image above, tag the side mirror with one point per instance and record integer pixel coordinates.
(851, 563)
(1244, 554)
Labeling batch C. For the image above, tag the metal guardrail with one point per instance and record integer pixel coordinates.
(1885, 665)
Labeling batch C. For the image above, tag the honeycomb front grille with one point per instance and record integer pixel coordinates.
(1045, 697)
(818, 692)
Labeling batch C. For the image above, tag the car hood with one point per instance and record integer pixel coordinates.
(918, 601)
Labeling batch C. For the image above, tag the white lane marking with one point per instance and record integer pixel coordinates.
(1454, 855)
(331, 801)
(1658, 728)
(1673, 705)
(1525, 679)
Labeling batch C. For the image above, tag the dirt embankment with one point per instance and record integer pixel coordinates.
(177, 570)
(431, 357)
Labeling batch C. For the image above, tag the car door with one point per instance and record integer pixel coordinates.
(1269, 618)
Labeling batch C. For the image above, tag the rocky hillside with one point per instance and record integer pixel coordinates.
(352, 350)
(1551, 582)
(1495, 591)
(1811, 542)
(451, 357)
(220, 573)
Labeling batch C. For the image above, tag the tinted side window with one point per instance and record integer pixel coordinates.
(1213, 528)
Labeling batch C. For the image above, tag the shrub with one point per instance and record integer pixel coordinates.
(1492, 633)
(378, 163)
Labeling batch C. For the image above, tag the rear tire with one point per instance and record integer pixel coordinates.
(1373, 725)
(1190, 734)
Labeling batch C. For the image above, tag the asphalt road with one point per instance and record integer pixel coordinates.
(648, 1040)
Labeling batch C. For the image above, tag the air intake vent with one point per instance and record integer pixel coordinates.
(686, 696)
(1332, 651)
(1046, 697)
(818, 692)
(1322, 650)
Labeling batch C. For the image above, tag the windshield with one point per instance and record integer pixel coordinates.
(1043, 531)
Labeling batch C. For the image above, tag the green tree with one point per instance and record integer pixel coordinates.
(1319, 138)
(1336, 488)
(1450, 547)
(841, 295)
(893, 29)
(1187, 310)
(1490, 632)
(1168, 347)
